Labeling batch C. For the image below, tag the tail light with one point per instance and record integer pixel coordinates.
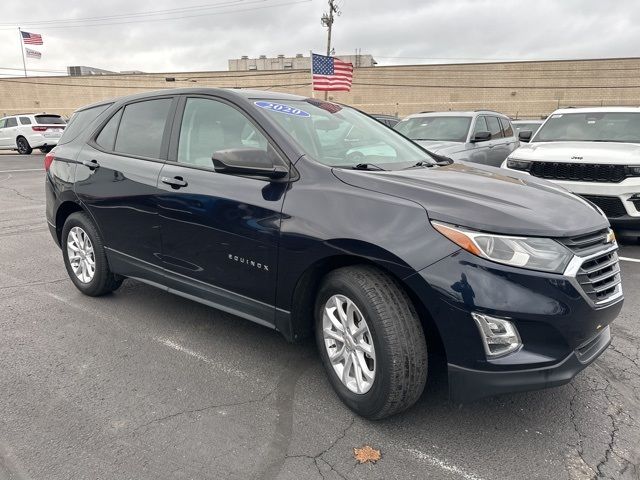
(48, 159)
(39, 129)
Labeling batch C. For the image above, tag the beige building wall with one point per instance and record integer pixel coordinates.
(519, 89)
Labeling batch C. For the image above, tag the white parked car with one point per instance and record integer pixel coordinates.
(26, 132)
(593, 152)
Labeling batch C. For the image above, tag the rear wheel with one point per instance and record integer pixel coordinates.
(371, 342)
(23, 146)
(85, 258)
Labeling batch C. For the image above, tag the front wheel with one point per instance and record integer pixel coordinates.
(23, 146)
(370, 340)
(85, 258)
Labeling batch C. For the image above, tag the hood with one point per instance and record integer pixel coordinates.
(440, 147)
(580, 152)
(485, 198)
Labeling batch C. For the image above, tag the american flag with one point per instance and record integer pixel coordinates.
(31, 38)
(331, 74)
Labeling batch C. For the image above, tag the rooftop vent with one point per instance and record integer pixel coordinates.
(298, 55)
(244, 57)
(263, 56)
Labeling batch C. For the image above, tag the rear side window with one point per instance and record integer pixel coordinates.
(494, 127)
(3, 122)
(81, 120)
(107, 137)
(142, 127)
(506, 127)
(12, 122)
(25, 121)
(49, 119)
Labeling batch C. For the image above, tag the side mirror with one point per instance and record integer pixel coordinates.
(481, 137)
(525, 135)
(247, 161)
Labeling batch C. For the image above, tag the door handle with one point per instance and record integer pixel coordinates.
(175, 182)
(92, 164)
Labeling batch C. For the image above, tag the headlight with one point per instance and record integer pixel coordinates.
(534, 253)
(516, 164)
(633, 170)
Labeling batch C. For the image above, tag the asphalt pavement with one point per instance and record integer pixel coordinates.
(147, 385)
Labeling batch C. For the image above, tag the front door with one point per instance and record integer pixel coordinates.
(219, 231)
(117, 179)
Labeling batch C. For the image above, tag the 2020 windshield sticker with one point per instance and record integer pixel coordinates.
(280, 108)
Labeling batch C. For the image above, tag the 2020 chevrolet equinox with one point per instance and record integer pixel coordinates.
(255, 203)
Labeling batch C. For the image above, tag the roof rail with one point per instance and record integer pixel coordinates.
(485, 110)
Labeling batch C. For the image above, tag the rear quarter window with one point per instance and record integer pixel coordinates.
(506, 127)
(25, 121)
(80, 121)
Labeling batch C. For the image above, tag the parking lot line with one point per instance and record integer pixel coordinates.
(436, 462)
(176, 346)
(23, 170)
(627, 259)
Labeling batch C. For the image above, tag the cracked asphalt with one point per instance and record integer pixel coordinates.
(147, 385)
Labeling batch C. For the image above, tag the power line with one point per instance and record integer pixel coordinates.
(150, 20)
(128, 15)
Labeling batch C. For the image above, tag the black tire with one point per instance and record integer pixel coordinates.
(23, 146)
(397, 335)
(103, 281)
(45, 149)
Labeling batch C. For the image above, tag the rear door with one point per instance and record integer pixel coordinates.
(4, 138)
(478, 152)
(10, 132)
(510, 140)
(117, 181)
(219, 231)
(497, 146)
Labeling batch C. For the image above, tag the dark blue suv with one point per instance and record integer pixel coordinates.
(312, 218)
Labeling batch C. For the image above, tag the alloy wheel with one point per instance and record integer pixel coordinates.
(23, 146)
(81, 255)
(349, 344)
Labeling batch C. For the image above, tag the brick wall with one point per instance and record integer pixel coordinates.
(522, 89)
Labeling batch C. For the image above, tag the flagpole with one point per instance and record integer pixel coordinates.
(313, 93)
(24, 62)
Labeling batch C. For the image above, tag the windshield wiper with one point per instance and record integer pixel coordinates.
(366, 166)
(441, 161)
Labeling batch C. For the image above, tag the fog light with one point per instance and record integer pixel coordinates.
(499, 336)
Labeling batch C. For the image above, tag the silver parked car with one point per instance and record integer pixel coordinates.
(482, 136)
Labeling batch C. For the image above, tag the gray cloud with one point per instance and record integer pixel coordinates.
(437, 29)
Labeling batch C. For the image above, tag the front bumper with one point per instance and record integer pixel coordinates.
(467, 384)
(562, 331)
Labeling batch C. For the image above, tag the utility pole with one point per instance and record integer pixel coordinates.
(327, 21)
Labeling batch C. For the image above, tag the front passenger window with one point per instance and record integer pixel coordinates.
(208, 126)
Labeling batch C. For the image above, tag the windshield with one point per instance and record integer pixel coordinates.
(533, 127)
(341, 136)
(591, 127)
(449, 129)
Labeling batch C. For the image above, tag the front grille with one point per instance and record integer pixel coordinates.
(599, 277)
(611, 206)
(579, 172)
(584, 245)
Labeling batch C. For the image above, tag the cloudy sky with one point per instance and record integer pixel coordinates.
(163, 35)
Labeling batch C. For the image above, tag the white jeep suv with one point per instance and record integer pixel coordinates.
(25, 132)
(593, 152)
